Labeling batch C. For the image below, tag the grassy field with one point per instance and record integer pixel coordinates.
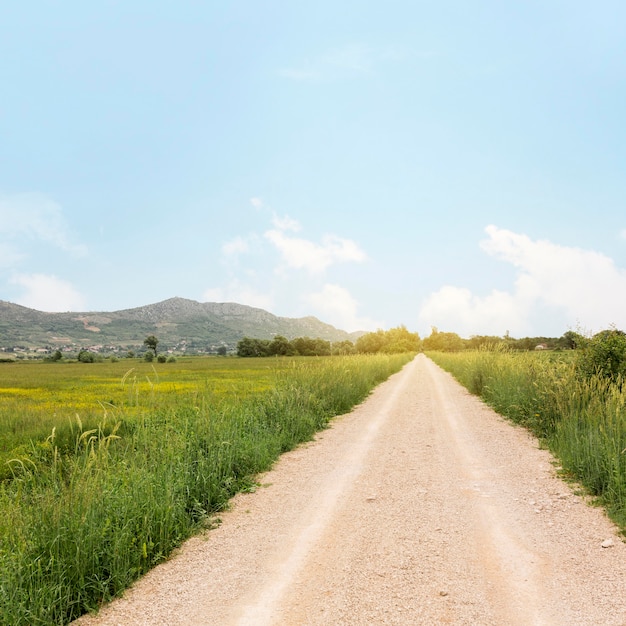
(36, 397)
(581, 419)
(109, 466)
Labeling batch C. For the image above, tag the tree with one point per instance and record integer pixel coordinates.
(252, 347)
(392, 341)
(151, 342)
(281, 346)
(222, 350)
(444, 342)
(572, 340)
(604, 354)
(370, 343)
(84, 356)
(342, 347)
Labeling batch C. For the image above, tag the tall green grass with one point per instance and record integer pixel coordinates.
(78, 524)
(581, 419)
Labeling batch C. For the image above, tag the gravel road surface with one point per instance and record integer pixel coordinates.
(422, 506)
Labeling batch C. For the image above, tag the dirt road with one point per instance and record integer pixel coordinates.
(422, 506)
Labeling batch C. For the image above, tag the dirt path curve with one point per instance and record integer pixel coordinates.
(422, 506)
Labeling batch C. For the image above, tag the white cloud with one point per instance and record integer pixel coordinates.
(456, 309)
(570, 286)
(262, 278)
(286, 223)
(623, 233)
(315, 258)
(236, 246)
(240, 293)
(337, 306)
(257, 203)
(48, 293)
(35, 216)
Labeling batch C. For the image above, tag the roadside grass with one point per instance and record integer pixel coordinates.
(582, 420)
(81, 521)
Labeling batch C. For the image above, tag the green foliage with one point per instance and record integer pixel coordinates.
(85, 516)
(444, 342)
(604, 354)
(280, 346)
(161, 358)
(151, 343)
(84, 356)
(393, 341)
(343, 348)
(248, 347)
(305, 346)
(148, 357)
(451, 342)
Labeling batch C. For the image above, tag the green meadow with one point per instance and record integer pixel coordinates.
(578, 413)
(107, 467)
(37, 397)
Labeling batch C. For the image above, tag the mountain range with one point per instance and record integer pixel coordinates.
(178, 324)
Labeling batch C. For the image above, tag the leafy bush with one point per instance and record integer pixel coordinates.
(604, 354)
(84, 356)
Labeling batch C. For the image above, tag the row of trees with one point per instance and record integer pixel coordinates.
(451, 342)
(281, 346)
(389, 341)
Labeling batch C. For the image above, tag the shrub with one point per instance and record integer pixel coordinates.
(84, 356)
(604, 354)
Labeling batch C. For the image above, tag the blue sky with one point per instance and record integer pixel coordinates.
(454, 164)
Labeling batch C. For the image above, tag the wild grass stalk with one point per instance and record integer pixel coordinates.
(79, 523)
(581, 419)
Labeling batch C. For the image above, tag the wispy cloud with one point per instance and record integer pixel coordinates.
(265, 270)
(241, 293)
(45, 292)
(337, 306)
(286, 223)
(569, 285)
(300, 253)
(34, 216)
(234, 247)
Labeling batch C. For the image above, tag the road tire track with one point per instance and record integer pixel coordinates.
(421, 506)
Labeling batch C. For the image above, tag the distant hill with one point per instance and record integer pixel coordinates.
(179, 324)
